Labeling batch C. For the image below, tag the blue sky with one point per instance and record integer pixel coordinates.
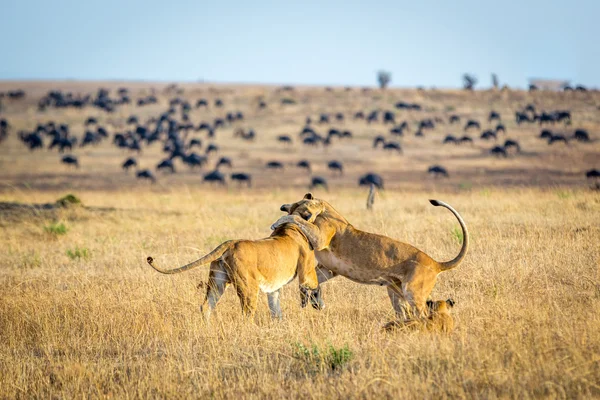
(429, 43)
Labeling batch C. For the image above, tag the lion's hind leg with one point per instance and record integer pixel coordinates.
(218, 279)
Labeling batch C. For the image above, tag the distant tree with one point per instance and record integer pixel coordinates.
(495, 82)
(384, 78)
(469, 81)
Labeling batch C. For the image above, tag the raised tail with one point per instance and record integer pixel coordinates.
(444, 266)
(210, 257)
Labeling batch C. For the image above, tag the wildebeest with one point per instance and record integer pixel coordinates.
(557, 138)
(454, 119)
(371, 179)
(581, 136)
(166, 165)
(250, 135)
(146, 174)
(450, 139)
(284, 139)
(70, 160)
(194, 160)
(90, 121)
(487, 135)
(493, 116)
(377, 140)
(545, 134)
(224, 161)
(512, 144)
(318, 181)
(498, 151)
(500, 127)
(393, 146)
(274, 165)
(324, 119)
(130, 162)
(339, 117)
(438, 171)
(242, 178)
(194, 143)
(335, 165)
(472, 124)
(215, 177)
(592, 174)
(465, 139)
(211, 148)
(304, 164)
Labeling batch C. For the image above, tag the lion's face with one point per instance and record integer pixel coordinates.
(308, 208)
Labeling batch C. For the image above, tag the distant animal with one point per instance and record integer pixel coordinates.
(498, 151)
(284, 139)
(318, 181)
(130, 162)
(438, 171)
(336, 166)
(487, 135)
(494, 116)
(166, 165)
(465, 139)
(212, 148)
(194, 160)
(450, 139)
(557, 138)
(378, 140)
(454, 119)
(581, 136)
(70, 160)
(304, 164)
(371, 179)
(545, 134)
(242, 178)
(215, 177)
(224, 161)
(500, 128)
(472, 124)
(146, 174)
(194, 143)
(393, 146)
(512, 144)
(592, 174)
(274, 165)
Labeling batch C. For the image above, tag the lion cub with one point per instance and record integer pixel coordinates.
(256, 265)
(438, 319)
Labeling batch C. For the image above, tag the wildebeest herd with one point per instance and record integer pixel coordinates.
(209, 131)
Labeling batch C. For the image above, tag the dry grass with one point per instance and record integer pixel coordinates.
(106, 325)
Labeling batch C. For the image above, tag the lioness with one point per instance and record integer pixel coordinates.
(408, 273)
(252, 265)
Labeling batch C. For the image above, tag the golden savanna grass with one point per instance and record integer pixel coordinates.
(83, 316)
(107, 325)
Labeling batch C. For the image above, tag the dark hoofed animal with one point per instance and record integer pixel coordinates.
(438, 171)
(242, 178)
(371, 179)
(319, 181)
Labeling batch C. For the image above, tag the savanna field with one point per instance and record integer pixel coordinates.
(83, 315)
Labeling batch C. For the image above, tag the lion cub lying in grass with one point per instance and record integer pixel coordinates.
(256, 265)
(438, 319)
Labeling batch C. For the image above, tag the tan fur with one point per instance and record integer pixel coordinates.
(408, 273)
(439, 319)
(254, 265)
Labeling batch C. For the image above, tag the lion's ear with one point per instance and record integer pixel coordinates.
(308, 196)
(286, 208)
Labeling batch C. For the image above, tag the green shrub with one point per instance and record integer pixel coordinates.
(56, 228)
(78, 253)
(323, 359)
(457, 234)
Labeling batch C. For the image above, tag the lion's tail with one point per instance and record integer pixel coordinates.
(444, 266)
(210, 257)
